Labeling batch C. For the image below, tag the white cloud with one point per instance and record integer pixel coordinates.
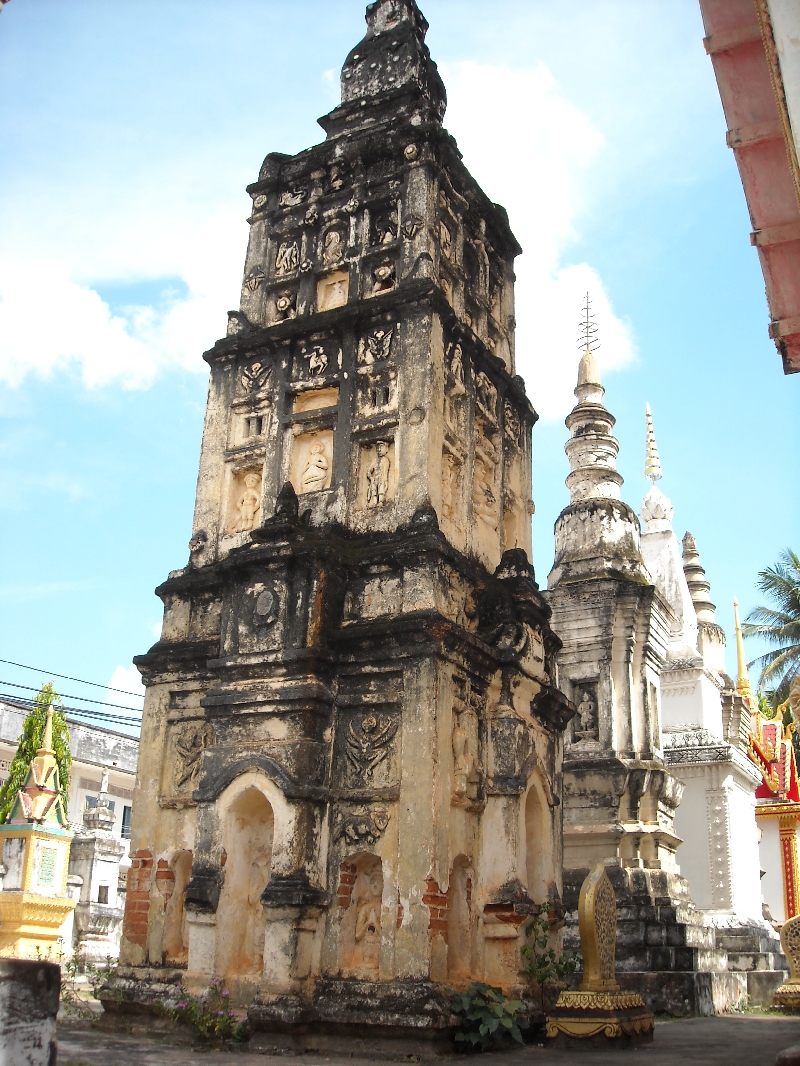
(79, 329)
(129, 680)
(155, 629)
(536, 160)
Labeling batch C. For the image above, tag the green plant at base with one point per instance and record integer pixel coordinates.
(209, 1016)
(486, 1017)
(544, 963)
(30, 742)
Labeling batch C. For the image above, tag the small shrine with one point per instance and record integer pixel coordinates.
(598, 1011)
(35, 855)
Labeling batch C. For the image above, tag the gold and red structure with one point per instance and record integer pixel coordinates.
(770, 747)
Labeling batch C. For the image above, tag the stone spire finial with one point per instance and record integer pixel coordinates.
(657, 509)
(699, 586)
(742, 677)
(393, 56)
(652, 463)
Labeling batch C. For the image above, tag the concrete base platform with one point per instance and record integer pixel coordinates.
(738, 1040)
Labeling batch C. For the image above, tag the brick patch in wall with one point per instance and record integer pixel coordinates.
(347, 878)
(137, 897)
(436, 902)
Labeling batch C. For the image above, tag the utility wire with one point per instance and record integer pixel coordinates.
(87, 712)
(83, 699)
(52, 673)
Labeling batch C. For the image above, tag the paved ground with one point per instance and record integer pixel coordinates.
(737, 1040)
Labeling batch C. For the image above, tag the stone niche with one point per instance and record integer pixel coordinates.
(377, 474)
(315, 400)
(243, 510)
(311, 460)
(332, 290)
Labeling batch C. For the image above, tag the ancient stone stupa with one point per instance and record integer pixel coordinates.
(349, 775)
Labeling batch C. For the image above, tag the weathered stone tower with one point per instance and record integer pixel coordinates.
(350, 770)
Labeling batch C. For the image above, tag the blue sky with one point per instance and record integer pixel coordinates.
(130, 131)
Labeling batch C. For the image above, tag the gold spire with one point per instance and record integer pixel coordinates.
(652, 463)
(47, 739)
(742, 677)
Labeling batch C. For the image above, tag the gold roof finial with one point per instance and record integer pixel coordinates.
(652, 463)
(742, 677)
(47, 738)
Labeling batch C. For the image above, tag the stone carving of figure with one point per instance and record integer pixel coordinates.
(449, 477)
(484, 501)
(190, 747)
(465, 764)
(249, 503)
(368, 928)
(332, 247)
(457, 370)
(315, 472)
(587, 715)
(258, 875)
(288, 258)
(446, 240)
(385, 229)
(383, 276)
(378, 475)
(317, 360)
(486, 394)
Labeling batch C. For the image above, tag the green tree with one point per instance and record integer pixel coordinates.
(778, 626)
(30, 742)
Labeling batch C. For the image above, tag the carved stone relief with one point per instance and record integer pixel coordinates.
(377, 392)
(376, 345)
(486, 396)
(451, 483)
(586, 724)
(455, 392)
(287, 259)
(466, 762)
(286, 304)
(254, 376)
(484, 501)
(384, 227)
(332, 291)
(265, 611)
(511, 424)
(190, 744)
(378, 475)
(383, 278)
(255, 278)
(332, 247)
(311, 461)
(292, 197)
(245, 501)
(360, 827)
(317, 357)
(445, 240)
(368, 744)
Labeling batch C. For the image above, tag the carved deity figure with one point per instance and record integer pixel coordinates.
(315, 472)
(457, 371)
(587, 712)
(449, 480)
(366, 955)
(332, 247)
(378, 475)
(484, 501)
(288, 258)
(445, 240)
(190, 747)
(486, 394)
(249, 503)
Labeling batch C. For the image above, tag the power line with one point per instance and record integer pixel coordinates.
(83, 699)
(87, 712)
(52, 673)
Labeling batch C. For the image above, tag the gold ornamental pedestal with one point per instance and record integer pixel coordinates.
(788, 995)
(598, 1012)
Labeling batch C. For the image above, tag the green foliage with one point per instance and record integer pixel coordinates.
(209, 1016)
(486, 1017)
(778, 626)
(543, 962)
(30, 742)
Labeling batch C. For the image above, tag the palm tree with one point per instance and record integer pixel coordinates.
(779, 627)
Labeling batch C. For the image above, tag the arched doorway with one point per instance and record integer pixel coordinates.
(459, 920)
(247, 840)
(538, 842)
